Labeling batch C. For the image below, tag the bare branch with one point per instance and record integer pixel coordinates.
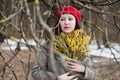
(94, 9)
(49, 30)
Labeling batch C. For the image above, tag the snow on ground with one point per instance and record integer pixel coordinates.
(105, 52)
(113, 52)
(9, 44)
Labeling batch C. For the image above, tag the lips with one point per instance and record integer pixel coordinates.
(66, 27)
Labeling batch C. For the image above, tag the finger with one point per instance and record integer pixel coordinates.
(73, 77)
(68, 73)
(76, 79)
(72, 60)
(73, 69)
(71, 63)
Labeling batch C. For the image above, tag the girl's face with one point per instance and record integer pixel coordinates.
(67, 23)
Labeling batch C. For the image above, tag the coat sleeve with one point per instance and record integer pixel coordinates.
(39, 74)
(89, 73)
(42, 74)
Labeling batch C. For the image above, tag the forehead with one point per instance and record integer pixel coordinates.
(67, 15)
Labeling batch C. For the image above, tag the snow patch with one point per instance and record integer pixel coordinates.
(114, 51)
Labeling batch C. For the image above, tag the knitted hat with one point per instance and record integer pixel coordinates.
(69, 9)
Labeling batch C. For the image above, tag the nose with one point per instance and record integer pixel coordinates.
(66, 21)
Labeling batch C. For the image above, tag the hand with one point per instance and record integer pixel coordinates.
(75, 66)
(67, 76)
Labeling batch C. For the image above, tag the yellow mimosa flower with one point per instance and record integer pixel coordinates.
(73, 45)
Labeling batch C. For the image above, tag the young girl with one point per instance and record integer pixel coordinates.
(71, 58)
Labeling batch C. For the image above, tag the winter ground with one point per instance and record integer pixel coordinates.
(104, 55)
(113, 52)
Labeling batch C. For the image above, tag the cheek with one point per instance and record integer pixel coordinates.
(73, 25)
(61, 25)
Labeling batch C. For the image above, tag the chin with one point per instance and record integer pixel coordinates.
(67, 31)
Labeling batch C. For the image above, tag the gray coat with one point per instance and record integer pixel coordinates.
(39, 73)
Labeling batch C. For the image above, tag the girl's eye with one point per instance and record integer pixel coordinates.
(62, 19)
(70, 19)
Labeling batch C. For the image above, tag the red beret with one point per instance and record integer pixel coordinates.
(69, 9)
